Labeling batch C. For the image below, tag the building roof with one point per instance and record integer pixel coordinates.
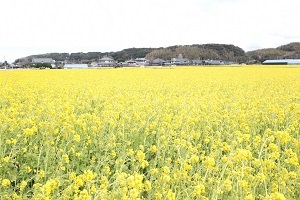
(283, 61)
(76, 66)
(106, 59)
(130, 61)
(213, 62)
(42, 60)
(158, 60)
(198, 61)
(141, 60)
(179, 60)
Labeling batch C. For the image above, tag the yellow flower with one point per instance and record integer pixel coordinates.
(84, 195)
(5, 182)
(209, 162)
(154, 171)
(275, 196)
(249, 197)
(227, 184)
(147, 185)
(28, 131)
(41, 174)
(104, 183)
(6, 159)
(78, 155)
(89, 175)
(194, 159)
(23, 185)
(199, 190)
(134, 193)
(16, 196)
(77, 138)
(28, 169)
(171, 195)
(140, 156)
(107, 170)
(13, 141)
(113, 153)
(66, 158)
(153, 149)
(166, 169)
(187, 167)
(130, 152)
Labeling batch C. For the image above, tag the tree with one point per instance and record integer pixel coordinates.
(41, 65)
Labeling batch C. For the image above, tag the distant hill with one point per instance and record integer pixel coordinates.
(200, 51)
(92, 56)
(288, 51)
(225, 52)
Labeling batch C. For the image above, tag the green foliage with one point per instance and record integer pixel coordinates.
(131, 53)
(291, 50)
(90, 56)
(294, 46)
(41, 65)
(203, 51)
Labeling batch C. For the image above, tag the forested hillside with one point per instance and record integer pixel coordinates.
(197, 51)
(288, 51)
(204, 51)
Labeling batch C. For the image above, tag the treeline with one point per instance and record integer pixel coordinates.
(88, 57)
(288, 51)
(204, 51)
(197, 51)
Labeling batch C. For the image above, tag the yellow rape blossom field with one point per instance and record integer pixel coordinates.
(175, 133)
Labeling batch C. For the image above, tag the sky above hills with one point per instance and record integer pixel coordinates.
(43, 26)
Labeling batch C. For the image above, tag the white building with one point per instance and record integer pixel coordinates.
(42, 60)
(180, 60)
(142, 62)
(75, 66)
(282, 62)
(106, 62)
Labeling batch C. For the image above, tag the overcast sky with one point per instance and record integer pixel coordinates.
(44, 26)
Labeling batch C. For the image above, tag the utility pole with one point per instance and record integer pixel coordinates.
(4, 63)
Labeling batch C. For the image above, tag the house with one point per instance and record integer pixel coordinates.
(130, 62)
(76, 66)
(123, 64)
(42, 60)
(94, 64)
(198, 62)
(107, 62)
(282, 62)
(213, 62)
(180, 61)
(142, 62)
(158, 61)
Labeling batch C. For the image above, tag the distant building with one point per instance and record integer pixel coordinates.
(76, 66)
(198, 62)
(213, 62)
(180, 61)
(130, 62)
(142, 62)
(106, 62)
(158, 61)
(282, 62)
(37, 61)
(42, 60)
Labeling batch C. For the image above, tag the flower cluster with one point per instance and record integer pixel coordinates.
(182, 133)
